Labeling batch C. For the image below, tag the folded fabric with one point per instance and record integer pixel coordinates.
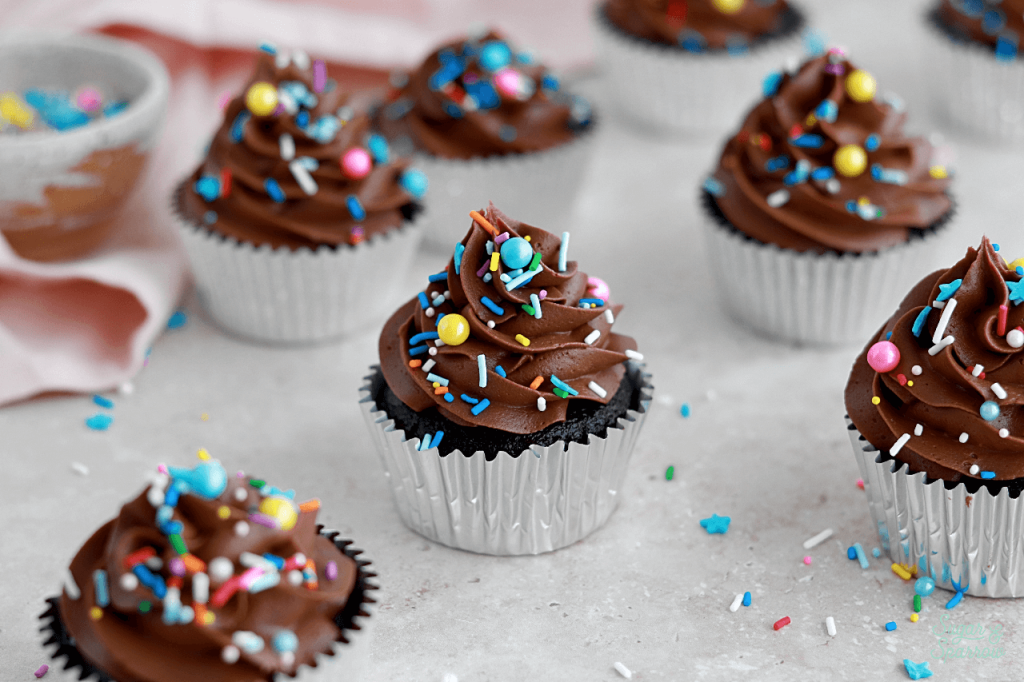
(86, 325)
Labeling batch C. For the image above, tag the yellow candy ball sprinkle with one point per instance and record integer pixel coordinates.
(95, 613)
(280, 509)
(938, 172)
(850, 160)
(913, 618)
(453, 329)
(261, 99)
(729, 6)
(861, 86)
(875, 400)
(224, 511)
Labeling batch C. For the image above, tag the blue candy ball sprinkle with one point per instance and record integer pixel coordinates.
(924, 586)
(516, 253)
(414, 182)
(989, 410)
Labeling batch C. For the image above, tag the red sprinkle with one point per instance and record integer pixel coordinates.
(1001, 327)
(796, 130)
(225, 182)
(782, 622)
(860, 483)
(902, 379)
(139, 556)
(225, 592)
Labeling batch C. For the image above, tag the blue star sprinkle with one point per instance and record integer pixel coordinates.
(1016, 291)
(715, 524)
(917, 671)
(947, 290)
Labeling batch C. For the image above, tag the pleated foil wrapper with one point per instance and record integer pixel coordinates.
(280, 296)
(544, 499)
(969, 542)
(809, 297)
(349, 660)
(538, 188)
(975, 92)
(677, 91)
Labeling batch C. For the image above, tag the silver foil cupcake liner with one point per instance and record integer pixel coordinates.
(348, 660)
(806, 297)
(674, 90)
(970, 541)
(972, 90)
(538, 188)
(544, 499)
(282, 296)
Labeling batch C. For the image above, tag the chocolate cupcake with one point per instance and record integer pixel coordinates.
(821, 208)
(503, 389)
(298, 217)
(206, 576)
(934, 403)
(976, 67)
(692, 65)
(488, 122)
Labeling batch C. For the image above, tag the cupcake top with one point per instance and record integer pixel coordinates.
(481, 96)
(208, 576)
(822, 164)
(941, 385)
(294, 166)
(698, 25)
(508, 335)
(996, 23)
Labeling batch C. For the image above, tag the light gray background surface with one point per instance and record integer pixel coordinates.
(765, 445)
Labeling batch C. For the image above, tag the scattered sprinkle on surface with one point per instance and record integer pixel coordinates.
(177, 320)
(715, 524)
(99, 422)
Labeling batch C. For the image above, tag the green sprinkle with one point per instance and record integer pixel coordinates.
(535, 263)
(145, 606)
(560, 393)
(257, 482)
(917, 603)
(669, 473)
(178, 543)
(529, 309)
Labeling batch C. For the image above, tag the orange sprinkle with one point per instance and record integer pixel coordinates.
(440, 390)
(193, 564)
(201, 613)
(309, 506)
(415, 363)
(475, 215)
(536, 382)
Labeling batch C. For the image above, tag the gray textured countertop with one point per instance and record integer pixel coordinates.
(765, 444)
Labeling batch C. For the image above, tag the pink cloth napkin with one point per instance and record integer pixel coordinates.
(86, 326)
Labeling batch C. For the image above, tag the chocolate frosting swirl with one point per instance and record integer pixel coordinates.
(984, 21)
(821, 164)
(951, 392)
(481, 97)
(572, 343)
(312, 203)
(696, 25)
(136, 639)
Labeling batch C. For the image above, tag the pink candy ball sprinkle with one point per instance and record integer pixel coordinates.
(356, 163)
(331, 571)
(884, 356)
(807, 561)
(598, 287)
(224, 99)
(507, 82)
(88, 99)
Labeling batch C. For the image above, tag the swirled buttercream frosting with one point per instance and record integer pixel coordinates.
(996, 23)
(482, 97)
(209, 576)
(699, 25)
(293, 165)
(822, 164)
(508, 336)
(940, 387)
